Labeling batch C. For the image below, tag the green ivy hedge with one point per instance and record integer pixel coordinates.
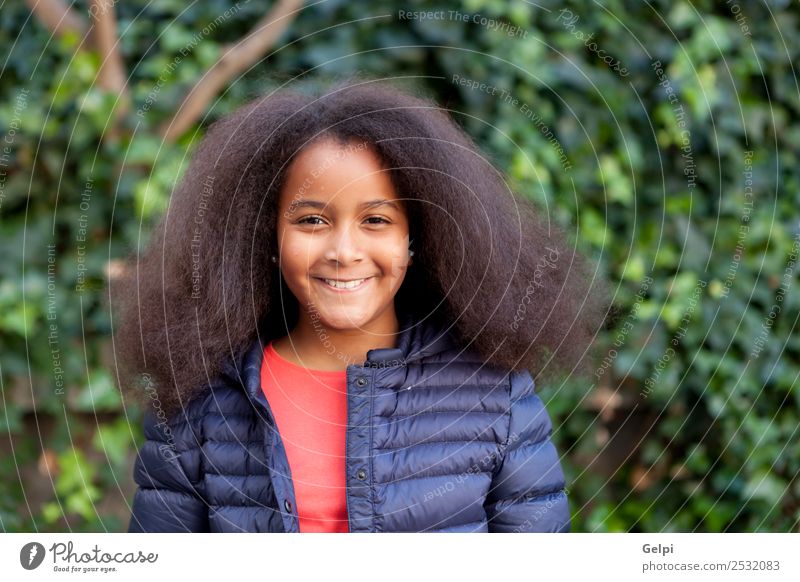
(663, 135)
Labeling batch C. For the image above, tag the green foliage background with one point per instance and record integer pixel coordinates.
(691, 423)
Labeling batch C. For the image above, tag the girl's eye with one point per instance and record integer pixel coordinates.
(383, 220)
(307, 219)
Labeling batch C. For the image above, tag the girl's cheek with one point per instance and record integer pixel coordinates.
(298, 256)
(294, 266)
(398, 265)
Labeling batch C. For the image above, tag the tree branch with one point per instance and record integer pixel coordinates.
(234, 60)
(57, 17)
(111, 75)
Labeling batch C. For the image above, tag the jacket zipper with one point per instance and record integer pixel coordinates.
(347, 447)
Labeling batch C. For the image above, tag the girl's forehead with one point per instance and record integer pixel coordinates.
(327, 157)
(329, 173)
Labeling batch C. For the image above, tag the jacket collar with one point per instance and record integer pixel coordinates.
(418, 338)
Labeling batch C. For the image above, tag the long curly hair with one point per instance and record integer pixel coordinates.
(508, 282)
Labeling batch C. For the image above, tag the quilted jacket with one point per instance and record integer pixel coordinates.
(436, 441)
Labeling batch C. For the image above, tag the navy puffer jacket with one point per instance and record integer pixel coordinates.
(436, 441)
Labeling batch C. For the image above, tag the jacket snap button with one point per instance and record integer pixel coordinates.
(287, 505)
(361, 381)
(362, 474)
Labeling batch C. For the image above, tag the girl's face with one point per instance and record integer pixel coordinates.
(341, 224)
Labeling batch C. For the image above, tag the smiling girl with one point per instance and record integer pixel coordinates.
(336, 321)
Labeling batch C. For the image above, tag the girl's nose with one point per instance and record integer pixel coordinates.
(346, 245)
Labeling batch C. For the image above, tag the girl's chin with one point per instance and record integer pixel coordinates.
(336, 315)
(342, 321)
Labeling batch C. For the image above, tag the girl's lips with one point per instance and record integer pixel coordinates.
(363, 284)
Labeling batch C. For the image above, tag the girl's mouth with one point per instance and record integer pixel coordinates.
(344, 286)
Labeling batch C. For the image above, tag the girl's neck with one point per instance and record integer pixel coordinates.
(313, 345)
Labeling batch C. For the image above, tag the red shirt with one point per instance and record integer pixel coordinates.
(310, 409)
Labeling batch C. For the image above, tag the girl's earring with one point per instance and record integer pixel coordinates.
(274, 259)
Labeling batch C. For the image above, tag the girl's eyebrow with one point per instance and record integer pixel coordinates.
(319, 204)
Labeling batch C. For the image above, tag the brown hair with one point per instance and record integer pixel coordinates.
(508, 282)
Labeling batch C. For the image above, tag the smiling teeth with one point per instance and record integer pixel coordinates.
(344, 284)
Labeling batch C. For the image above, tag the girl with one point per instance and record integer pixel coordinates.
(334, 324)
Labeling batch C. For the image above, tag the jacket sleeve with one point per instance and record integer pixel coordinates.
(167, 471)
(527, 493)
